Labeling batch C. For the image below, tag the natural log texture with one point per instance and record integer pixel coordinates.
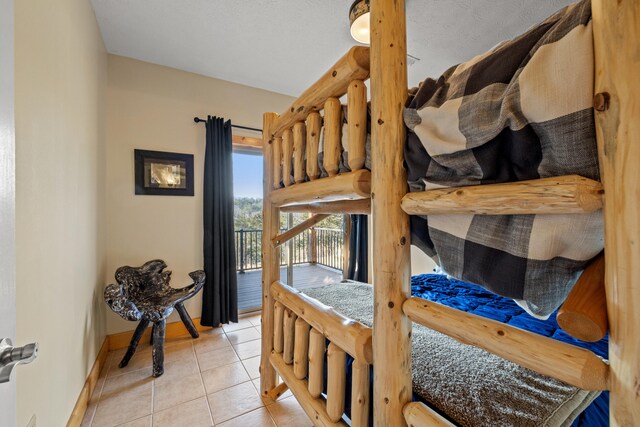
(360, 384)
(277, 162)
(584, 314)
(558, 195)
(301, 349)
(317, 348)
(333, 84)
(314, 123)
(419, 414)
(332, 135)
(283, 238)
(314, 408)
(336, 381)
(270, 259)
(351, 336)
(278, 325)
(616, 31)
(346, 236)
(573, 365)
(360, 206)
(299, 148)
(346, 186)
(288, 324)
(357, 123)
(246, 144)
(278, 391)
(392, 263)
(287, 157)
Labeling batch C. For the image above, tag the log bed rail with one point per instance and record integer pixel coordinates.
(296, 328)
(565, 362)
(295, 136)
(302, 327)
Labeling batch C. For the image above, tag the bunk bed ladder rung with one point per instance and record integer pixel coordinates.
(557, 195)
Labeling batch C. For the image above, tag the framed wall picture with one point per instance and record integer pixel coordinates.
(161, 173)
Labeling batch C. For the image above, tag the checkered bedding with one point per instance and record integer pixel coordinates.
(520, 111)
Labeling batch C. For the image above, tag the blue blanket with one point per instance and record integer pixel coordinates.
(476, 300)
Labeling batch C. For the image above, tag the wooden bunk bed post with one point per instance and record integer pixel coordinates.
(616, 30)
(391, 238)
(270, 257)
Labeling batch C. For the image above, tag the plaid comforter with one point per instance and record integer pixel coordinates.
(521, 111)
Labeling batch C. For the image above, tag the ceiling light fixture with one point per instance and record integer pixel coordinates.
(359, 19)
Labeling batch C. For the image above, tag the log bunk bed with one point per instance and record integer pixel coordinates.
(296, 328)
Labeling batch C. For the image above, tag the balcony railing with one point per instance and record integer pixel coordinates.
(321, 246)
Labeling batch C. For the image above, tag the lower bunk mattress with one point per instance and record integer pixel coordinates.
(468, 385)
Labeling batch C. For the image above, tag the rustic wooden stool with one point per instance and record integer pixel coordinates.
(143, 294)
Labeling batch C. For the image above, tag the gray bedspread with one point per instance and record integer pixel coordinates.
(473, 387)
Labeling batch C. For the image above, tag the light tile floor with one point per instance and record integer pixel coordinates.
(209, 381)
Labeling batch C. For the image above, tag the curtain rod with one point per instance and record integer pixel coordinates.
(199, 120)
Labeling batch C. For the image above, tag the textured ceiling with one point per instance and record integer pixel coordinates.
(285, 45)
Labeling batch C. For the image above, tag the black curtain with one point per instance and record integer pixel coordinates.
(358, 249)
(220, 294)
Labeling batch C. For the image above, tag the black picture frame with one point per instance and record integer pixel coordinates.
(161, 173)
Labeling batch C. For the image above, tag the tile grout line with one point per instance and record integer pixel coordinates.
(95, 411)
(206, 396)
(99, 395)
(265, 405)
(153, 389)
(119, 373)
(194, 353)
(241, 360)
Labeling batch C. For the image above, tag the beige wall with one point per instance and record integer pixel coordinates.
(152, 107)
(420, 263)
(60, 93)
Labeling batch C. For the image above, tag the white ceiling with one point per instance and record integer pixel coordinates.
(285, 45)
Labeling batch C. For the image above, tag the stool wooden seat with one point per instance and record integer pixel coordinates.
(143, 294)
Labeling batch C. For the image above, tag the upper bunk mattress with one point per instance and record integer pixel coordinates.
(521, 111)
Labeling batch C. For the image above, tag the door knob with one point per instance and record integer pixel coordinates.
(11, 356)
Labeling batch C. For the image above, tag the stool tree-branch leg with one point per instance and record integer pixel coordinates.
(186, 319)
(158, 347)
(133, 345)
